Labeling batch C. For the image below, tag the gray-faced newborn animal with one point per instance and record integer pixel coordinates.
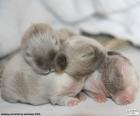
(115, 78)
(78, 57)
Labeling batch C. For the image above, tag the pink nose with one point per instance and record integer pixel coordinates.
(125, 97)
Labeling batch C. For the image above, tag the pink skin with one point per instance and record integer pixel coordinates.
(124, 97)
(100, 98)
(74, 102)
(121, 98)
(82, 96)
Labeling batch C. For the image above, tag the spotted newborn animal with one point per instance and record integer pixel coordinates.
(115, 78)
(78, 57)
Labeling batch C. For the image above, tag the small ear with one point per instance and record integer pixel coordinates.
(88, 55)
(61, 62)
(111, 53)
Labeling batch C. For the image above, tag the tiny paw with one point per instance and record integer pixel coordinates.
(100, 98)
(82, 97)
(73, 102)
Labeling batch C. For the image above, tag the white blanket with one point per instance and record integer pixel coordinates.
(120, 18)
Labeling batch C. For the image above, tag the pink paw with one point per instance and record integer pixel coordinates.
(100, 98)
(82, 97)
(73, 102)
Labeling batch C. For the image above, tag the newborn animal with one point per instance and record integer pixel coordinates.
(78, 57)
(39, 46)
(115, 78)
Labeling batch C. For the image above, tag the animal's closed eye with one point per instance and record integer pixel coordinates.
(90, 54)
(39, 61)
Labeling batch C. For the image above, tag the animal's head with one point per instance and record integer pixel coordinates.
(79, 56)
(39, 47)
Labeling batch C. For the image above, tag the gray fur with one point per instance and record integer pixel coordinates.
(111, 76)
(39, 47)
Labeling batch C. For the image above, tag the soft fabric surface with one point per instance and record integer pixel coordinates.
(120, 18)
(85, 108)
